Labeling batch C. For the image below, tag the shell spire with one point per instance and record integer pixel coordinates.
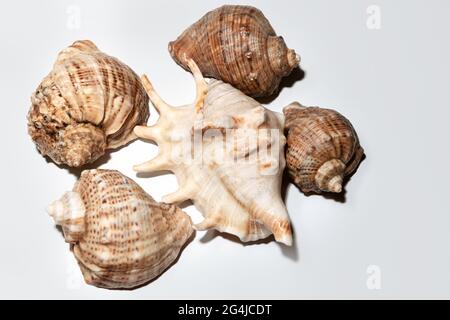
(322, 148)
(69, 212)
(330, 175)
(235, 188)
(282, 60)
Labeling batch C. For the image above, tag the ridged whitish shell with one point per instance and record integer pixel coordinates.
(121, 237)
(322, 148)
(237, 44)
(234, 184)
(88, 103)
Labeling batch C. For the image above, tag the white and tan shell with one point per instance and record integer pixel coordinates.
(322, 148)
(88, 103)
(235, 187)
(120, 236)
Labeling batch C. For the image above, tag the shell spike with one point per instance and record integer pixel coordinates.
(284, 238)
(206, 224)
(159, 163)
(282, 231)
(150, 133)
(276, 219)
(201, 85)
(160, 105)
(182, 194)
(69, 213)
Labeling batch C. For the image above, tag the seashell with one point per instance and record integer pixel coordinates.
(120, 236)
(237, 44)
(233, 183)
(88, 103)
(322, 148)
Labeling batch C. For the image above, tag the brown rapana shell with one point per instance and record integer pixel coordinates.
(322, 148)
(237, 44)
(120, 236)
(88, 103)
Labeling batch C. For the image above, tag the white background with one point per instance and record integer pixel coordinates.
(392, 83)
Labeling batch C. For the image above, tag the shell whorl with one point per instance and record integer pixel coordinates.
(69, 213)
(282, 60)
(330, 175)
(322, 148)
(76, 145)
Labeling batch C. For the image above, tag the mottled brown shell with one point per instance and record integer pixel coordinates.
(88, 103)
(236, 44)
(120, 236)
(322, 147)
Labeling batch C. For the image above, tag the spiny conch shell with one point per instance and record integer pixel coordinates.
(237, 44)
(322, 148)
(88, 103)
(120, 236)
(232, 181)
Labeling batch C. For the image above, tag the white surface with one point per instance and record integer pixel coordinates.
(392, 83)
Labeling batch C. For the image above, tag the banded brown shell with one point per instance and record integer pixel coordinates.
(120, 236)
(322, 148)
(237, 44)
(88, 103)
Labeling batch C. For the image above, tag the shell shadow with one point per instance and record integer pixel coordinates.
(185, 204)
(290, 252)
(338, 197)
(285, 185)
(60, 229)
(297, 74)
(152, 174)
